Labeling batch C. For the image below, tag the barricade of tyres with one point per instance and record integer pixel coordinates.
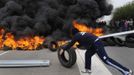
(112, 41)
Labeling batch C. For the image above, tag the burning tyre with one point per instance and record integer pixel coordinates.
(67, 57)
(53, 46)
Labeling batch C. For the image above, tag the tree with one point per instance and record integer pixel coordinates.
(125, 12)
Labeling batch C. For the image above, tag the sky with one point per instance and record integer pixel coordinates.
(116, 4)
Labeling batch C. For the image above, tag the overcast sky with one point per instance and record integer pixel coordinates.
(116, 4)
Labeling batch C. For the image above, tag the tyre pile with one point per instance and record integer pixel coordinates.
(113, 41)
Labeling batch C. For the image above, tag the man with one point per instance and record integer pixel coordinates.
(131, 24)
(94, 45)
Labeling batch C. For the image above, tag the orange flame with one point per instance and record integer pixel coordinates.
(83, 28)
(25, 43)
(63, 42)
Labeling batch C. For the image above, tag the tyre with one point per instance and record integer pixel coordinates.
(119, 42)
(105, 43)
(110, 41)
(67, 57)
(130, 45)
(53, 46)
(130, 41)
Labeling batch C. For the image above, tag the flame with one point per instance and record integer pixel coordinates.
(83, 28)
(25, 43)
(2, 31)
(64, 42)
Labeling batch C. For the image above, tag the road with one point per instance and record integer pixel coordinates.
(123, 55)
(55, 67)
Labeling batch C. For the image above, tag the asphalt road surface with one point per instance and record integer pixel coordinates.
(55, 67)
(123, 55)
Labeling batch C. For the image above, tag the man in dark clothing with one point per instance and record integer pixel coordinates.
(94, 45)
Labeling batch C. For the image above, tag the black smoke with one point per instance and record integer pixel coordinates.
(43, 17)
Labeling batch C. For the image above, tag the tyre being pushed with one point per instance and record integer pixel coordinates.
(67, 57)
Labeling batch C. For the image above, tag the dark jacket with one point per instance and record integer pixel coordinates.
(83, 38)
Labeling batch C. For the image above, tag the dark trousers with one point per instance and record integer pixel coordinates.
(98, 48)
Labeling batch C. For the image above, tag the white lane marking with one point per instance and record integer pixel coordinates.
(3, 53)
(97, 66)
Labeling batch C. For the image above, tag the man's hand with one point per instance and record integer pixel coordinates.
(80, 47)
(63, 47)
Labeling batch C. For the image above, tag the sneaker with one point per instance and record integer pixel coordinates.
(86, 71)
(130, 72)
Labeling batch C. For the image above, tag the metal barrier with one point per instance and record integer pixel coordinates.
(23, 63)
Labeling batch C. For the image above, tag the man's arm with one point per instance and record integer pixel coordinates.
(71, 43)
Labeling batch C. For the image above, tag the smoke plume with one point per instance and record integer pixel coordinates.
(43, 17)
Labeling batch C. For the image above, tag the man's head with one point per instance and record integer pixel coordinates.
(74, 31)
